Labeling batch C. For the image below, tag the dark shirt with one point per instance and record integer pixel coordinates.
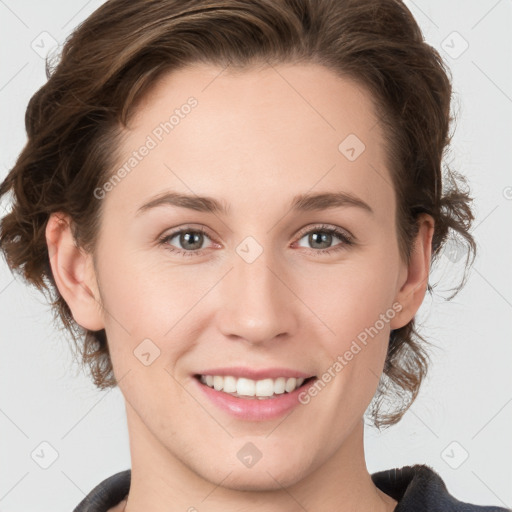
(416, 488)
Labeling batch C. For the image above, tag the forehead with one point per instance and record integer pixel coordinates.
(289, 96)
(287, 128)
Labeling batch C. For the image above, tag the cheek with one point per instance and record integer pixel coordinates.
(359, 315)
(350, 299)
(149, 308)
(142, 297)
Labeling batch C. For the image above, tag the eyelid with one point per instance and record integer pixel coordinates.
(325, 227)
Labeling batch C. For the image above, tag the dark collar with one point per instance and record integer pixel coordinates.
(416, 488)
(419, 488)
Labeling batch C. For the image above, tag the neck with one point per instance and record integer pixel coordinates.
(160, 482)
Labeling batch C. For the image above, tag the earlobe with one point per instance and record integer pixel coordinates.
(73, 273)
(413, 288)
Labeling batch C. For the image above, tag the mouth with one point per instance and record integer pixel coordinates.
(249, 389)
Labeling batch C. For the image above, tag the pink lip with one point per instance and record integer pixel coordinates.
(253, 374)
(253, 409)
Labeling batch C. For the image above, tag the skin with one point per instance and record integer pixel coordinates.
(254, 142)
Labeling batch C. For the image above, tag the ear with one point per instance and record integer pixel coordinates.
(73, 272)
(414, 277)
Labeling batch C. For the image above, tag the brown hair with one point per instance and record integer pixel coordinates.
(112, 59)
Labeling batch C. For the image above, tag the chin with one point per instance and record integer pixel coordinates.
(259, 480)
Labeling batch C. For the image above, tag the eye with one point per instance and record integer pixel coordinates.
(191, 241)
(321, 237)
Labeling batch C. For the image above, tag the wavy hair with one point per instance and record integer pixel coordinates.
(117, 54)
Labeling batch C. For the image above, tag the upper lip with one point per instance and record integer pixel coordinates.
(256, 374)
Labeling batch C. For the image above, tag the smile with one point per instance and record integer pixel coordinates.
(249, 388)
(253, 400)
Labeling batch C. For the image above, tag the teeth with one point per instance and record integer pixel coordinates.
(251, 388)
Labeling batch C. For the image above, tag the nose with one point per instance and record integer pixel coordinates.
(257, 301)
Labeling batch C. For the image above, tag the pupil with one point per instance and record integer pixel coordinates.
(186, 237)
(323, 237)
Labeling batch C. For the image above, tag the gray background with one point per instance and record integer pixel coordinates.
(460, 424)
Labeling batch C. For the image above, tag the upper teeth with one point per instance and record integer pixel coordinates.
(249, 387)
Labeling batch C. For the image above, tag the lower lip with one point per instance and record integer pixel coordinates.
(253, 409)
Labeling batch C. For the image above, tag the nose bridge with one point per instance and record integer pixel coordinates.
(257, 306)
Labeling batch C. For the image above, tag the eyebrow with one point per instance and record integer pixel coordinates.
(301, 202)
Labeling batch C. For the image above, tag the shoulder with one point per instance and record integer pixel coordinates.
(107, 494)
(419, 488)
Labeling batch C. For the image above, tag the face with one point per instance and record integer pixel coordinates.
(267, 280)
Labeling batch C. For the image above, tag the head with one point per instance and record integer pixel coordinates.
(256, 105)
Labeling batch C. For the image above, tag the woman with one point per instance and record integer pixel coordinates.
(236, 205)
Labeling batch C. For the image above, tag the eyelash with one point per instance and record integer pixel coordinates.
(346, 239)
